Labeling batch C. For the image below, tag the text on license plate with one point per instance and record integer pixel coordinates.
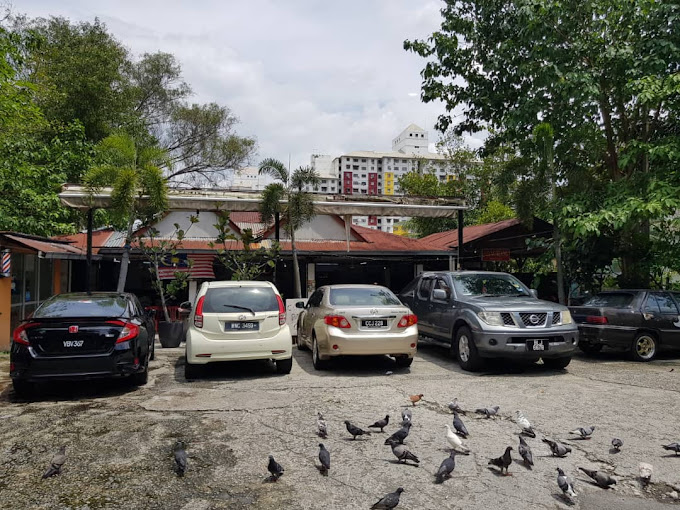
(537, 345)
(249, 326)
(73, 343)
(375, 323)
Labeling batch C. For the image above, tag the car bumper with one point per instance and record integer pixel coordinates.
(201, 350)
(611, 336)
(518, 344)
(339, 343)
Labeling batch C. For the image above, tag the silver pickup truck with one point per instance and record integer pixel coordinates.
(490, 315)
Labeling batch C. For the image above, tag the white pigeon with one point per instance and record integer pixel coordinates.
(524, 422)
(646, 471)
(455, 441)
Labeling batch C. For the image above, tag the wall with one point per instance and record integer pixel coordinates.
(5, 313)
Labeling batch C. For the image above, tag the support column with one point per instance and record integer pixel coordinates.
(88, 276)
(419, 268)
(348, 228)
(193, 290)
(311, 278)
(460, 239)
(452, 263)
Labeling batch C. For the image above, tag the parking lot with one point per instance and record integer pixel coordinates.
(119, 439)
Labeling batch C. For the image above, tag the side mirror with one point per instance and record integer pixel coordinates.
(440, 295)
(186, 305)
(534, 293)
(300, 304)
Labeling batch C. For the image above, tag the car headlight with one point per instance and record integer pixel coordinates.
(491, 318)
(566, 317)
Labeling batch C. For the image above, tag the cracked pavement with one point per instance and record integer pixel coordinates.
(119, 439)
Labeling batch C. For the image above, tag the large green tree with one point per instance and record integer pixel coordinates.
(603, 73)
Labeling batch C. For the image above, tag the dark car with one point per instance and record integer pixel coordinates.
(638, 321)
(484, 314)
(83, 336)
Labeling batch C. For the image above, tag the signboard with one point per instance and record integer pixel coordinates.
(292, 314)
(495, 254)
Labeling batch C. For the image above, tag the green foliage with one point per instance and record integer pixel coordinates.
(493, 212)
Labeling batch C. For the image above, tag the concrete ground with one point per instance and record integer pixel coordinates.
(119, 440)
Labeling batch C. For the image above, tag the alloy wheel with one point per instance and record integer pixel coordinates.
(464, 348)
(645, 347)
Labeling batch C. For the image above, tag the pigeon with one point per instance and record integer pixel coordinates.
(321, 429)
(646, 471)
(325, 459)
(57, 462)
(673, 447)
(180, 458)
(617, 443)
(601, 479)
(584, 432)
(389, 501)
(402, 453)
(406, 416)
(455, 441)
(525, 452)
(558, 449)
(523, 422)
(455, 406)
(459, 425)
(415, 398)
(565, 484)
(446, 467)
(275, 469)
(488, 411)
(503, 461)
(400, 434)
(355, 431)
(381, 423)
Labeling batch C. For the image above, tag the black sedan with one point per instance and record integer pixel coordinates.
(640, 322)
(83, 336)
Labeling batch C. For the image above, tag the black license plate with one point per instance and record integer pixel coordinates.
(537, 344)
(374, 323)
(242, 326)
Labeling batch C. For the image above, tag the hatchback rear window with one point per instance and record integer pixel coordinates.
(240, 299)
(611, 300)
(362, 297)
(83, 306)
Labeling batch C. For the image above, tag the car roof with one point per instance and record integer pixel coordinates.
(462, 273)
(100, 294)
(353, 286)
(238, 283)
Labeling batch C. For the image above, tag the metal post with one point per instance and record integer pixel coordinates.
(88, 276)
(460, 239)
(277, 225)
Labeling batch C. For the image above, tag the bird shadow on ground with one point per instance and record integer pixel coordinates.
(497, 472)
(671, 455)
(393, 461)
(614, 451)
(72, 391)
(563, 499)
(270, 479)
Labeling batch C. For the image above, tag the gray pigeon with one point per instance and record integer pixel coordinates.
(455, 406)
(565, 484)
(389, 501)
(617, 443)
(446, 467)
(503, 461)
(355, 431)
(275, 469)
(402, 453)
(381, 423)
(673, 447)
(406, 416)
(180, 458)
(525, 452)
(57, 462)
(325, 459)
(600, 478)
(321, 428)
(459, 425)
(584, 432)
(558, 449)
(488, 411)
(400, 434)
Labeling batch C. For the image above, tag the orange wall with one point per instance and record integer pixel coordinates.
(56, 277)
(5, 312)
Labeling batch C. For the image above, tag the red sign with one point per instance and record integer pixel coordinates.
(495, 254)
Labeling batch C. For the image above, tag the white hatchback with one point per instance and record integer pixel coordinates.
(238, 320)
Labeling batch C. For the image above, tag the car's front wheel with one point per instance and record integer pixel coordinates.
(319, 364)
(284, 366)
(644, 347)
(466, 351)
(557, 363)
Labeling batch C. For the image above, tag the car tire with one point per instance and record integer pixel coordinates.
(301, 345)
(284, 366)
(319, 364)
(644, 347)
(403, 361)
(141, 378)
(589, 348)
(466, 351)
(557, 363)
(152, 356)
(191, 371)
(23, 389)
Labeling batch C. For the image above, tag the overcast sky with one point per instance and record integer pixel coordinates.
(302, 76)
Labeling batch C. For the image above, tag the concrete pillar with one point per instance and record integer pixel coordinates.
(5, 313)
(193, 290)
(56, 276)
(311, 278)
(452, 263)
(419, 268)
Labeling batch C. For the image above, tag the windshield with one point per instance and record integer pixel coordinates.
(239, 299)
(611, 300)
(362, 296)
(489, 285)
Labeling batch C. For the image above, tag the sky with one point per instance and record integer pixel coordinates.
(302, 76)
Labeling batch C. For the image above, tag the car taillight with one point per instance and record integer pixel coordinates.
(407, 320)
(337, 321)
(19, 335)
(596, 319)
(282, 311)
(128, 332)
(198, 315)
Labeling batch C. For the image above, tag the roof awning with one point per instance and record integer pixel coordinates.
(79, 197)
(43, 247)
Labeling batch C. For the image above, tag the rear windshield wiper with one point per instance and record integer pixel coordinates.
(242, 308)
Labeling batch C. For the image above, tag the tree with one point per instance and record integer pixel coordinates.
(139, 190)
(299, 206)
(604, 74)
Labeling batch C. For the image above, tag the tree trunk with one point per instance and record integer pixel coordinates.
(296, 266)
(125, 259)
(159, 284)
(557, 241)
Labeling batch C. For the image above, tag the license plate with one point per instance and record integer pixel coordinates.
(242, 326)
(374, 323)
(537, 345)
(73, 343)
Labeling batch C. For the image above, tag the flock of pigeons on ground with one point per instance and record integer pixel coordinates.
(455, 441)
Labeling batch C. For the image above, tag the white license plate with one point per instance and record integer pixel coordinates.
(241, 326)
(537, 345)
(73, 343)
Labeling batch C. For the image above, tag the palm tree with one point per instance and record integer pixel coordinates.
(132, 171)
(299, 207)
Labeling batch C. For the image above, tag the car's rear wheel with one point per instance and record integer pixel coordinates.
(644, 347)
(466, 351)
(557, 363)
(284, 366)
(152, 356)
(191, 371)
(141, 378)
(403, 361)
(319, 364)
(589, 348)
(23, 389)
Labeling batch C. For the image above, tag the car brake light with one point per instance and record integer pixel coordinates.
(282, 311)
(198, 315)
(337, 321)
(407, 320)
(19, 336)
(128, 332)
(596, 319)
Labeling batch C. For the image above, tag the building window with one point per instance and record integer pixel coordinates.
(356, 160)
(363, 160)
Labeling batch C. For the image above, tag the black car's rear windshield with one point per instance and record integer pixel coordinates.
(368, 296)
(83, 306)
(489, 285)
(240, 299)
(611, 300)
